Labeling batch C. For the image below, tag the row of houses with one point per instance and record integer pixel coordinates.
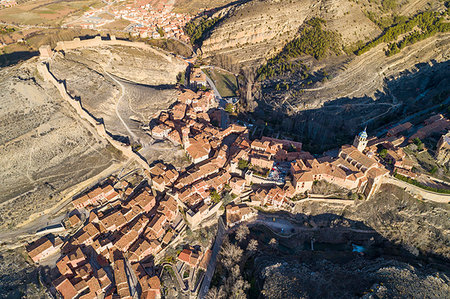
(117, 235)
(126, 227)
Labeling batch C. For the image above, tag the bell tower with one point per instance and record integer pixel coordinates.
(360, 141)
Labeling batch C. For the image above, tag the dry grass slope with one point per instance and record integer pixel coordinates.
(44, 148)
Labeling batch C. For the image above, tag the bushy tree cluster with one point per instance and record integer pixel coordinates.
(313, 40)
(429, 23)
(243, 164)
(215, 196)
(197, 29)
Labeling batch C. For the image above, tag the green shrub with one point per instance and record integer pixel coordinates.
(428, 22)
(242, 164)
(198, 29)
(433, 170)
(420, 185)
(5, 29)
(229, 108)
(389, 4)
(313, 40)
(215, 196)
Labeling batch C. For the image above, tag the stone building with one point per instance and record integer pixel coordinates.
(360, 141)
(45, 52)
(197, 78)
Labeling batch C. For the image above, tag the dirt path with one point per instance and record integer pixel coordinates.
(425, 194)
(123, 93)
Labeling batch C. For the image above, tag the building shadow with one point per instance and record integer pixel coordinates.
(332, 246)
(16, 57)
(412, 96)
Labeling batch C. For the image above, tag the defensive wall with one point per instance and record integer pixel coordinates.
(99, 127)
(97, 41)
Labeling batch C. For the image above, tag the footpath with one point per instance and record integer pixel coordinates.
(84, 115)
(417, 191)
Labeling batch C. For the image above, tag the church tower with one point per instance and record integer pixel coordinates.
(360, 141)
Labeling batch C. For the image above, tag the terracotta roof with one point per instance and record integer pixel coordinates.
(158, 169)
(83, 200)
(185, 255)
(174, 136)
(62, 266)
(94, 285)
(198, 148)
(74, 220)
(150, 294)
(359, 157)
(167, 237)
(154, 283)
(37, 247)
(65, 287)
(205, 260)
(400, 128)
(91, 229)
(96, 192)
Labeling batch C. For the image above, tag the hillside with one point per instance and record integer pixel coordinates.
(45, 149)
(124, 87)
(302, 62)
(251, 32)
(257, 30)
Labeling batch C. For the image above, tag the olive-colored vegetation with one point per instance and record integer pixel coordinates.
(313, 40)
(389, 4)
(419, 27)
(225, 82)
(420, 185)
(170, 45)
(6, 29)
(197, 29)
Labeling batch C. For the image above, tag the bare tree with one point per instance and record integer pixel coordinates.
(273, 243)
(242, 233)
(216, 293)
(240, 286)
(231, 254)
(235, 284)
(252, 245)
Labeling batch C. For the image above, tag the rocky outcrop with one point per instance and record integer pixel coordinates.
(142, 65)
(419, 227)
(378, 278)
